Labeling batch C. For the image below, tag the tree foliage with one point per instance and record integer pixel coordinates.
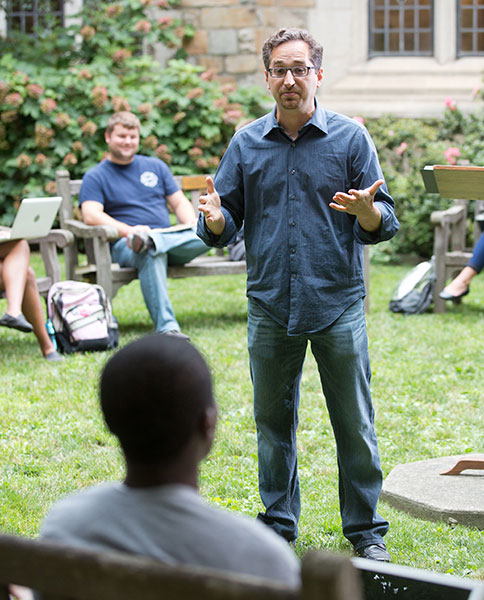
(405, 146)
(58, 89)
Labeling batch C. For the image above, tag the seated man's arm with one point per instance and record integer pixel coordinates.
(93, 214)
(183, 209)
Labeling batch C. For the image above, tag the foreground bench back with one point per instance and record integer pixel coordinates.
(96, 265)
(65, 573)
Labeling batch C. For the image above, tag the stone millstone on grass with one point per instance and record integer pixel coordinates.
(420, 489)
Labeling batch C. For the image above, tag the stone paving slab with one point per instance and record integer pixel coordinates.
(419, 489)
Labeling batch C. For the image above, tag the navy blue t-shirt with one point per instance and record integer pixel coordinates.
(134, 194)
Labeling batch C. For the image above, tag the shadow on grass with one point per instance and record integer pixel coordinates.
(188, 320)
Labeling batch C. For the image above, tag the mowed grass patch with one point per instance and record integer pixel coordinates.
(426, 389)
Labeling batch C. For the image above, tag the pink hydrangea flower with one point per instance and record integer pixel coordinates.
(150, 142)
(40, 159)
(89, 128)
(48, 105)
(145, 108)
(119, 103)
(452, 154)
(34, 90)
(70, 160)
(450, 103)
(23, 161)
(195, 152)
(179, 116)
(88, 32)
(143, 26)
(165, 22)
(99, 95)
(14, 99)
(113, 10)
(51, 188)
(401, 149)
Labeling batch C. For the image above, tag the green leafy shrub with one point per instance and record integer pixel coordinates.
(57, 94)
(405, 146)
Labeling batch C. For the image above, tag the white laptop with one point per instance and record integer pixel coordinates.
(34, 219)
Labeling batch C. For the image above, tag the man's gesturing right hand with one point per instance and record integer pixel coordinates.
(210, 207)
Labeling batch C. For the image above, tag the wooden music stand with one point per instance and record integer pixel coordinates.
(454, 181)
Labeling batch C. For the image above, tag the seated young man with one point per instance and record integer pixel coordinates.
(133, 192)
(156, 397)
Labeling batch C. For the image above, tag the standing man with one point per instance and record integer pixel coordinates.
(132, 192)
(307, 185)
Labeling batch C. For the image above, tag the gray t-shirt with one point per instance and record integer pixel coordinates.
(171, 523)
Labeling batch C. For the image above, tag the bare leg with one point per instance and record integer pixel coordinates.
(15, 262)
(461, 283)
(32, 308)
(34, 313)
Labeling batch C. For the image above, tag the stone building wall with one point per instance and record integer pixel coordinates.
(229, 34)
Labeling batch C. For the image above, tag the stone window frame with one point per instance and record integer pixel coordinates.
(444, 38)
(475, 31)
(408, 32)
(70, 9)
(27, 18)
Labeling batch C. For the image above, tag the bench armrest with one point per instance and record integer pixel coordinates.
(105, 233)
(451, 215)
(60, 237)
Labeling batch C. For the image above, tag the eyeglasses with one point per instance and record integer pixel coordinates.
(280, 72)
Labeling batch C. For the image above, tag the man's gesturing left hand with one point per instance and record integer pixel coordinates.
(360, 203)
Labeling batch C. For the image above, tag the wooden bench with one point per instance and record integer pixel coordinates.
(64, 573)
(98, 266)
(59, 573)
(451, 251)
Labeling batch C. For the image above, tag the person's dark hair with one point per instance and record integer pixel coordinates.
(292, 35)
(153, 394)
(125, 118)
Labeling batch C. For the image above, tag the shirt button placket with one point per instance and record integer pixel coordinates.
(292, 242)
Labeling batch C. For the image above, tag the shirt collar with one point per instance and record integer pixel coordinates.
(317, 120)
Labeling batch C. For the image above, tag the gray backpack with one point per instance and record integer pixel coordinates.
(414, 294)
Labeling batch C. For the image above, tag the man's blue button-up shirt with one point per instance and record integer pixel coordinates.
(304, 259)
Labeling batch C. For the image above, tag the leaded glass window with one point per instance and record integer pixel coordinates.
(470, 27)
(401, 28)
(26, 15)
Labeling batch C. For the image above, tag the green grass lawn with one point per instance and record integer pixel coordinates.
(427, 389)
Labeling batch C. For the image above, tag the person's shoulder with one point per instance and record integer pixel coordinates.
(344, 120)
(261, 546)
(90, 496)
(251, 128)
(98, 170)
(152, 162)
(238, 523)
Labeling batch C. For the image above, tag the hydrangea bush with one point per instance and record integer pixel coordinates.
(57, 94)
(405, 146)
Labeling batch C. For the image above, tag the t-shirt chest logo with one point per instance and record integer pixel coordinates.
(149, 179)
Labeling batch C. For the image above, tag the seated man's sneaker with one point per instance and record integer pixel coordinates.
(374, 552)
(177, 333)
(140, 242)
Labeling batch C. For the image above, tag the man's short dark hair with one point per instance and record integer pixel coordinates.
(292, 35)
(154, 392)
